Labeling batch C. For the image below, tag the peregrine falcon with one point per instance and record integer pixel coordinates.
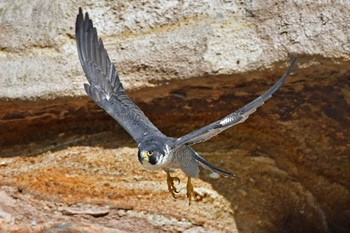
(155, 150)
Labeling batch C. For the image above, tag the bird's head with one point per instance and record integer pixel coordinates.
(152, 155)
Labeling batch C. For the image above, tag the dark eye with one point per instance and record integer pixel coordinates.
(149, 153)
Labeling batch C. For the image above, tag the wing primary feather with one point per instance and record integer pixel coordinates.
(104, 85)
(234, 118)
(94, 93)
(103, 59)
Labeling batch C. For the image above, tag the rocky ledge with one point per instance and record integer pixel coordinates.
(66, 166)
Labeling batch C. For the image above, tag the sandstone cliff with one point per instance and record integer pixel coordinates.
(64, 164)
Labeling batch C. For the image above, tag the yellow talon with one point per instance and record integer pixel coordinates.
(190, 190)
(171, 186)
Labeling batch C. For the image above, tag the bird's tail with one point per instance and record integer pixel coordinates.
(208, 166)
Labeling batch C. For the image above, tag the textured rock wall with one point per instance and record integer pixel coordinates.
(194, 62)
(153, 41)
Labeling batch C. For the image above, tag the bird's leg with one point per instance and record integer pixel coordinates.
(171, 187)
(190, 190)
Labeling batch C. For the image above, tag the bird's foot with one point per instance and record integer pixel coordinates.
(171, 186)
(190, 191)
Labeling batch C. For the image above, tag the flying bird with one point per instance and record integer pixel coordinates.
(155, 150)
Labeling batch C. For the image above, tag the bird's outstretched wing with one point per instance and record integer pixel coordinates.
(232, 119)
(104, 85)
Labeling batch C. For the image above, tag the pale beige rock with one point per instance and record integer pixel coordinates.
(154, 41)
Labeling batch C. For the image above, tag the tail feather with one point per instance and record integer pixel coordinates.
(210, 167)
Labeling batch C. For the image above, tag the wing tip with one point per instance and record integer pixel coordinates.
(83, 21)
(291, 65)
(79, 20)
(293, 60)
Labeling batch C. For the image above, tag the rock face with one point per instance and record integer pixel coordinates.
(186, 64)
(153, 41)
